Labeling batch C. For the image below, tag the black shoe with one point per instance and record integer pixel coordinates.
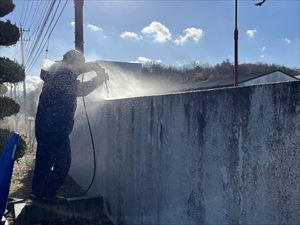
(48, 200)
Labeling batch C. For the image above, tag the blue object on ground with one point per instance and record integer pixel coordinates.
(7, 160)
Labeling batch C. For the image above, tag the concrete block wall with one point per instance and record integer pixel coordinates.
(224, 156)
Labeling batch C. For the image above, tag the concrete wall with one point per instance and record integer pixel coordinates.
(226, 156)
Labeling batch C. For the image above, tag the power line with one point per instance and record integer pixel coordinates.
(47, 40)
(21, 16)
(45, 34)
(43, 11)
(42, 27)
(36, 9)
(25, 13)
(38, 25)
(29, 13)
(41, 49)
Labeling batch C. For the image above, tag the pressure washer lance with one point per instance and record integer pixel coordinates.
(102, 70)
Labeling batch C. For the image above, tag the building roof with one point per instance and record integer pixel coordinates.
(229, 81)
(253, 76)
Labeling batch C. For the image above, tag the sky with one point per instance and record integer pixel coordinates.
(170, 32)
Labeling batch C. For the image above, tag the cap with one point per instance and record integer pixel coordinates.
(74, 56)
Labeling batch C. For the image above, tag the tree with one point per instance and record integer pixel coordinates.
(10, 72)
(6, 7)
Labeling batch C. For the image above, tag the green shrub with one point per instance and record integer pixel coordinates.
(8, 107)
(6, 7)
(10, 71)
(4, 138)
(9, 33)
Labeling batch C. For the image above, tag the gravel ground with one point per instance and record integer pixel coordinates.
(22, 176)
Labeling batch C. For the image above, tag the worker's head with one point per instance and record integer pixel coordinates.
(74, 57)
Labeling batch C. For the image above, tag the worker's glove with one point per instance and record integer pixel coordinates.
(101, 77)
(101, 73)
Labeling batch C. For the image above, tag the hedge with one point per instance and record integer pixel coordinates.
(10, 71)
(6, 7)
(9, 33)
(4, 138)
(8, 107)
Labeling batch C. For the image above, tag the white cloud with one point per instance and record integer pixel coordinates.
(145, 60)
(160, 33)
(288, 41)
(91, 27)
(32, 82)
(130, 35)
(251, 33)
(190, 33)
(94, 28)
(262, 56)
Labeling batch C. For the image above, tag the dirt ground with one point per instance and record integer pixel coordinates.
(22, 176)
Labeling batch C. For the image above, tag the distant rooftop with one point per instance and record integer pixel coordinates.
(243, 78)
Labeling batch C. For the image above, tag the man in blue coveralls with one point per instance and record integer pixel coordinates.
(55, 119)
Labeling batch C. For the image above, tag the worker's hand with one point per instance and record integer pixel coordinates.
(101, 78)
(101, 73)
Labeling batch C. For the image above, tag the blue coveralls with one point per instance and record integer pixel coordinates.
(53, 124)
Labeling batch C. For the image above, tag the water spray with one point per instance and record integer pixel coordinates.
(107, 89)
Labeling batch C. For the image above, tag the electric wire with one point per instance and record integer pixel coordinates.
(33, 33)
(42, 20)
(42, 27)
(39, 51)
(26, 18)
(39, 40)
(43, 12)
(36, 9)
(49, 35)
(25, 13)
(48, 28)
(22, 13)
(38, 25)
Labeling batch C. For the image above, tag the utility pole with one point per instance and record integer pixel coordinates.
(236, 45)
(23, 66)
(22, 63)
(79, 25)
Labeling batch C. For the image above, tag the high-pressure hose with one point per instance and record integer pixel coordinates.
(93, 145)
(92, 140)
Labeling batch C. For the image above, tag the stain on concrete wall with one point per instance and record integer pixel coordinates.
(226, 156)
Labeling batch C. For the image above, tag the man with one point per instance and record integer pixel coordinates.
(55, 119)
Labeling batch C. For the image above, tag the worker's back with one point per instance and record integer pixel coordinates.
(57, 103)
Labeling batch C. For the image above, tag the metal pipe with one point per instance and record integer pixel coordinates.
(236, 45)
(79, 25)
